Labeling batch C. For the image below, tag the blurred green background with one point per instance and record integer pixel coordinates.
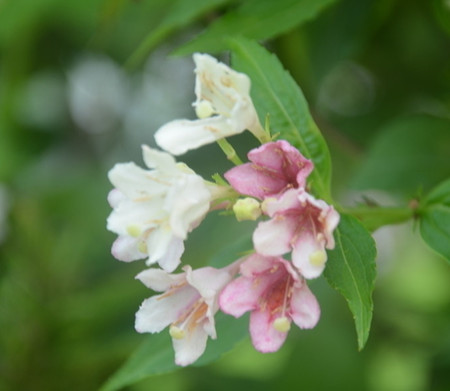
(69, 110)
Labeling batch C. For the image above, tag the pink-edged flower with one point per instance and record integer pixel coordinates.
(276, 295)
(274, 168)
(299, 223)
(188, 305)
(223, 106)
(155, 209)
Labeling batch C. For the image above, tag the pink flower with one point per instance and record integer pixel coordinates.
(299, 223)
(276, 295)
(188, 305)
(274, 168)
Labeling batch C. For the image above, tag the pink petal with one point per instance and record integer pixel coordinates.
(273, 237)
(306, 245)
(238, 297)
(304, 308)
(282, 157)
(251, 180)
(264, 336)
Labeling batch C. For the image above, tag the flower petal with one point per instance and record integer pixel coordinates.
(309, 256)
(238, 297)
(159, 280)
(265, 337)
(191, 347)
(157, 312)
(273, 237)
(283, 160)
(189, 203)
(207, 280)
(125, 249)
(180, 136)
(251, 180)
(158, 248)
(304, 308)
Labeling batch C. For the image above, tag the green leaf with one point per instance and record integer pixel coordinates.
(351, 270)
(155, 356)
(256, 19)
(410, 154)
(179, 14)
(435, 219)
(275, 92)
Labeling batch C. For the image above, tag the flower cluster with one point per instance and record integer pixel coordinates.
(154, 209)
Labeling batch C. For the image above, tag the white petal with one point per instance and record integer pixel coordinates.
(180, 136)
(207, 280)
(157, 159)
(158, 243)
(189, 204)
(191, 347)
(142, 215)
(273, 237)
(305, 250)
(159, 280)
(218, 83)
(159, 311)
(135, 182)
(172, 257)
(125, 249)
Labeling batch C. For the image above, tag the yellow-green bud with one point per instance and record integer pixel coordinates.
(247, 209)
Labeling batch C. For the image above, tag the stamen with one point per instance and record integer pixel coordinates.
(318, 258)
(176, 333)
(142, 247)
(204, 109)
(134, 230)
(282, 324)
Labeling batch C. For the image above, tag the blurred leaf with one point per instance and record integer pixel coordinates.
(351, 270)
(435, 219)
(411, 153)
(274, 92)
(179, 14)
(257, 19)
(155, 355)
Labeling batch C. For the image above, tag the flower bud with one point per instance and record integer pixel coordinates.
(247, 209)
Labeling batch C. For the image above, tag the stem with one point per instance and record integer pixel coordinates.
(229, 151)
(375, 217)
(262, 135)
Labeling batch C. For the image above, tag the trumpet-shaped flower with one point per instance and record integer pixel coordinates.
(276, 295)
(188, 306)
(299, 223)
(153, 210)
(223, 106)
(274, 168)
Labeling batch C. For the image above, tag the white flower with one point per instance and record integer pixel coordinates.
(188, 305)
(223, 105)
(154, 210)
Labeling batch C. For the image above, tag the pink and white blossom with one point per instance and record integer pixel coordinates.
(274, 168)
(223, 105)
(275, 294)
(301, 224)
(188, 306)
(155, 209)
